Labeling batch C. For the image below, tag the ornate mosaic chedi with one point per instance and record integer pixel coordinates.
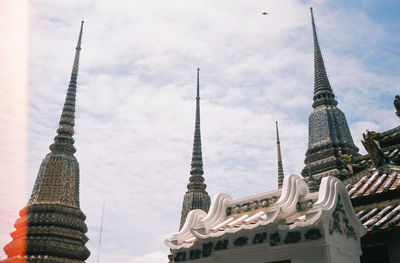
(196, 196)
(57, 181)
(328, 132)
(51, 228)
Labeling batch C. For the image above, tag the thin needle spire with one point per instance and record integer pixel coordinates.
(323, 93)
(279, 155)
(196, 196)
(63, 142)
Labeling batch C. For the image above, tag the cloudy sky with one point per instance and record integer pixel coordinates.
(136, 106)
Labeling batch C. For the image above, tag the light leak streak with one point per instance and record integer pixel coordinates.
(13, 114)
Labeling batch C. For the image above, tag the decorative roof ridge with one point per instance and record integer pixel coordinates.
(218, 206)
(272, 193)
(331, 191)
(198, 222)
(332, 196)
(388, 132)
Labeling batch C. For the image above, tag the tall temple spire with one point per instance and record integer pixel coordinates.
(328, 132)
(196, 196)
(280, 166)
(51, 227)
(323, 93)
(64, 142)
(197, 159)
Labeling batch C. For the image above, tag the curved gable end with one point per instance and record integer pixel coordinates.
(286, 224)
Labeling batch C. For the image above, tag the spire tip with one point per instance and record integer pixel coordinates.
(63, 142)
(198, 84)
(323, 93)
(279, 157)
(197, 159)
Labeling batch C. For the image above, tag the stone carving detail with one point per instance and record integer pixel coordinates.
(346, 158)
(397, 105)
(375, 152)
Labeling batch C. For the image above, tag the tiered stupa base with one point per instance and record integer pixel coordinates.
(48, 233)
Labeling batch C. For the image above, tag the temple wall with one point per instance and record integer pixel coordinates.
(313, 252)
(337, 255)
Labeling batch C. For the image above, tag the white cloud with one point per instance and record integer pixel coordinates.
(135, 103)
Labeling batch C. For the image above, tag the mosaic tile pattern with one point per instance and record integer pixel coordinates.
(196, 196)
(328, 133)
(51, 227)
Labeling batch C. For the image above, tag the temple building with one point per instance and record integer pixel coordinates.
(374, 189)
(373, 180)
(346, 209)
(328, 131)
(309, 220)
(288, 225)
(51, 228)
(196, 196)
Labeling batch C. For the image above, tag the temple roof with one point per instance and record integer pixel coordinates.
(380, 216)
(375, 194)
(374, 186)
(375, 182)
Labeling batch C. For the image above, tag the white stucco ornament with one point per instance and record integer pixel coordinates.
(299, 227)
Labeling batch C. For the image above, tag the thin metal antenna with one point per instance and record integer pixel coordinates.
(101, 232)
